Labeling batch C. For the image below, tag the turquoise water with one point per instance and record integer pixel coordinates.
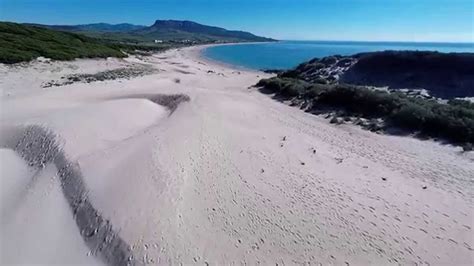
(288, 54)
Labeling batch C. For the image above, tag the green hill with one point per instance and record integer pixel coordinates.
(342, 86)
(192, 31)
(23, 43)
(173, 31)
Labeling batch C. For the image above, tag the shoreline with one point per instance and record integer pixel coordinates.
(202, 48)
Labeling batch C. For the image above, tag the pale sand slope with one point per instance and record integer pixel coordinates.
(214, 182)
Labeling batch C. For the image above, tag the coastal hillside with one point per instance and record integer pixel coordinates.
(23, 43)
(443, 75)
(342, 87)
(175, 31)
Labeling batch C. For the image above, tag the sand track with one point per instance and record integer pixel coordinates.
(40, 147)
(231, 177)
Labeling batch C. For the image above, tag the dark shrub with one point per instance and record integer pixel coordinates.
(467, 147)
(360, 100)
(284, 86)
(289, 74)
(462, 103)
(453, 121)
(411, 116)
(315, 90)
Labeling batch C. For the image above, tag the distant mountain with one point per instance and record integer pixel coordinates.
(176, 29)
(24, 42)
(165, 30)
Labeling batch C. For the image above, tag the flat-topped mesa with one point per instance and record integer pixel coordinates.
(191, 30)
(444, 75)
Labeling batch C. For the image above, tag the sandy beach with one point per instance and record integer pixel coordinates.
(97, 170)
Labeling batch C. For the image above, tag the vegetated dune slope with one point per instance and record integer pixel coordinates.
(443, 75)
(446, 75)
(229, 176)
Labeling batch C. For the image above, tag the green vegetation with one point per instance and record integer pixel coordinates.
(453, 121)
(142, 49)
(192, 31)
(166, 31)
(445, 75)
(23, 43)
(20, 42)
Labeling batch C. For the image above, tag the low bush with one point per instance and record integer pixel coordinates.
(359, 100)
(284, 86)
(453, 121)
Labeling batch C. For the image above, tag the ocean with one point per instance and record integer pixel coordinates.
(288, 54)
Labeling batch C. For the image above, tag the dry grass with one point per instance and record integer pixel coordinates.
(170, 101)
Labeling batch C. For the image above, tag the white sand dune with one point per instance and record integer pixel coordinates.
(230, 176)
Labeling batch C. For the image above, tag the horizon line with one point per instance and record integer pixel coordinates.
(377, 41)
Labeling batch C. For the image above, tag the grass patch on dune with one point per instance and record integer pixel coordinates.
(170, 101)
(453, 121)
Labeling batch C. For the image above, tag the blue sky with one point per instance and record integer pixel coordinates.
(370, 20)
